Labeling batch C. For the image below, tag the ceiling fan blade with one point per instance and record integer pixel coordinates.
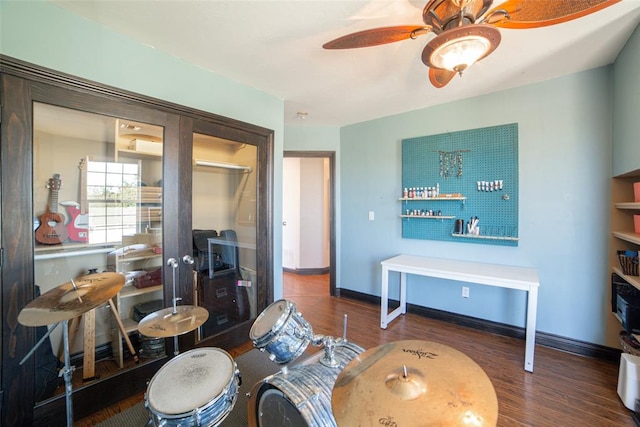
(542, 13)
(377, 36)
(440, 78)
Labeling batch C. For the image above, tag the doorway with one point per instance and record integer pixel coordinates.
(308, 248)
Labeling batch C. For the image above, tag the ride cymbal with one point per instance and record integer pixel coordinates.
(71, 299)
(414, 383)
(165, 323)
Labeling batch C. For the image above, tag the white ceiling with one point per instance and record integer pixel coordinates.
(276, 47)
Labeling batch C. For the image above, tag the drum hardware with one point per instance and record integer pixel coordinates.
(282, 331)
(176, 320)
(330, 343)
(63, 303)
(409, 382)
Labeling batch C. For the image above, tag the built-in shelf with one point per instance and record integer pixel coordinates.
(628, 205)
(471, 236)
(221, 165)
(128, 291)
(428, 216)
(632, 280)
(138, 154)
(72, 250)
(628, 236)
(131, 291)
(132, 258)
(616, 316)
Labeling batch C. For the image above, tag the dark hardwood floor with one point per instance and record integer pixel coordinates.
(563, 390)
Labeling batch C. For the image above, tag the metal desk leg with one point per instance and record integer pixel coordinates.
(384, 298)
(403, 293)
(532, 307)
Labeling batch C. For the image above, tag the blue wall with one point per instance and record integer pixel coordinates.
(564, 166)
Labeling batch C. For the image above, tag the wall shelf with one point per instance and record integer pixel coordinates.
(432, 199)
(428, 216)
(469, 236)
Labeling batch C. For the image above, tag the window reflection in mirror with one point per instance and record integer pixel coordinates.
(224, 231)
(97, 203)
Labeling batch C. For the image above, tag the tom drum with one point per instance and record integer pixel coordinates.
(281, 331)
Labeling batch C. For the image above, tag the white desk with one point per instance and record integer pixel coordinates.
(504, 276)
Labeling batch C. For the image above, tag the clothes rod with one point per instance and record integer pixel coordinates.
(210, 164)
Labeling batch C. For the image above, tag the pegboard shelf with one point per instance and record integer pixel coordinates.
(460, 169)
(431, 199)
(470, 236)
(428, 216)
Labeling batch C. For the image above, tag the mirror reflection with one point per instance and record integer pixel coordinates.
(97, 203)
(224, 231)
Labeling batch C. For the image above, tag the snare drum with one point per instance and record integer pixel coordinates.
(281, 331)
(197, 388)
(299, 395)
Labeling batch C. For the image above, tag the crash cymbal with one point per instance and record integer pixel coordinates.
(165, 323)
(71, 299)
(413, 383)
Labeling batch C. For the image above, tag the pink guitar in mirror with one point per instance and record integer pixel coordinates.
(51, 230)
(78, 225)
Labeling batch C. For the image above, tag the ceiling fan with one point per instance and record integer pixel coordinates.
(467, 30)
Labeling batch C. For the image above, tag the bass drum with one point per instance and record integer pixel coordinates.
(299, 395)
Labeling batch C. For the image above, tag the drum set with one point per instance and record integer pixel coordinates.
(406, 383)
(403, 383)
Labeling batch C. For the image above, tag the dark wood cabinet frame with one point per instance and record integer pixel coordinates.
(22, 84)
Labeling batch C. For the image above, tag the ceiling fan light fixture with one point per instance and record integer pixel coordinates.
(459, 48)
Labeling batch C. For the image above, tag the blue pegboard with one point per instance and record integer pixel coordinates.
(463, 163)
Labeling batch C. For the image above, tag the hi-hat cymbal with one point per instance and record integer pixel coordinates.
(165, 323)
(414, 383)
(67, 301)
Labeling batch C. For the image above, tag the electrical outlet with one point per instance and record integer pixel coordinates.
(372, 216)
(465, 292)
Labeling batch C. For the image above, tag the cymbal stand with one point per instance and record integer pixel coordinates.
(66, 372)
(174, 266)
(35, 347)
